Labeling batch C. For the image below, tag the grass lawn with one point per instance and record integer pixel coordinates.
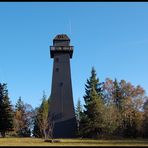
(71, 142)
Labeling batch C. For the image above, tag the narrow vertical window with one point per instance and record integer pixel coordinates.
(57, 60)
(57, 69)
(61, 83)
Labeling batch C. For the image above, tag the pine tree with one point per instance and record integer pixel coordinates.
(92, 124)
(93, 82)
(6, 111)
(117, 95)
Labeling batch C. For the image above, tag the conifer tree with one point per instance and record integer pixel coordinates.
(117, 99)
(6, 111)
(92, 124)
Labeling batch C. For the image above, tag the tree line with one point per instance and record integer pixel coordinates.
(22, 120)
(111, 109)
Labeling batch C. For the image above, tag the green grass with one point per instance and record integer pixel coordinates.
(71, 142)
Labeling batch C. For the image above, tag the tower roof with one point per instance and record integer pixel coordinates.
(61, 44)
(62, 37)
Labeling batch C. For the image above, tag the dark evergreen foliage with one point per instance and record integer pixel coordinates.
(6, 111)
(91, 124)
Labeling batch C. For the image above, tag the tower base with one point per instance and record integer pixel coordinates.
(65, 129)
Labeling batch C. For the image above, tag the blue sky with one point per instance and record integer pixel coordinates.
(112, 37)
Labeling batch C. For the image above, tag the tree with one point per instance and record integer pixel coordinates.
(112, 99)
(6, 112)
(127, 101)
(30, 113)
(132, 100)
(113, 93)
(44, 121)
(145, 121)
(36, 127)
(92, 124)
(117, 99)
(23, 118)
(78, 113)
(111, 120)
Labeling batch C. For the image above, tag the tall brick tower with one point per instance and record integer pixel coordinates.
(62, 107)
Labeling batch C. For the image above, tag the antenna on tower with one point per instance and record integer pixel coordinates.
(70, 28)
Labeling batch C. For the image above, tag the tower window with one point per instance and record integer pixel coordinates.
(61, 83)
(57, 59)
(57, 69)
